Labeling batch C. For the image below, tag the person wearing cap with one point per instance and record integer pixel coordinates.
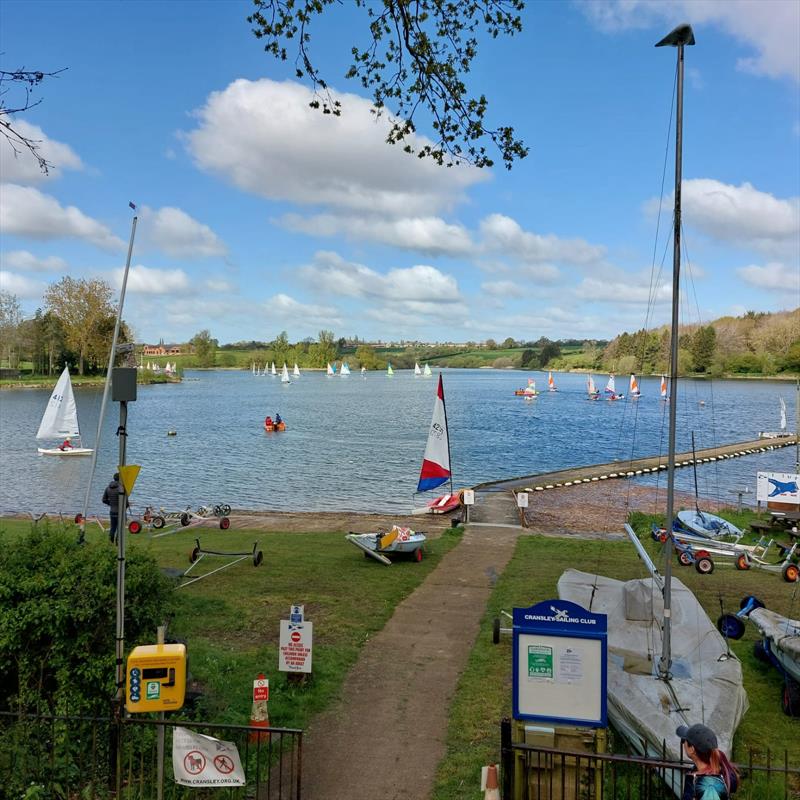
(66, 444)
(714, 777)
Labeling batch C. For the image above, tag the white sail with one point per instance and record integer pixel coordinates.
(61, 415)
(590, 387)
(345, 370)
(389, 370)
(417, 370)
(274, 372)
(427, 372)
(610, 386)
(330, 369)
(296, 371)
(783, 414)
(364, 372)
(285, 374)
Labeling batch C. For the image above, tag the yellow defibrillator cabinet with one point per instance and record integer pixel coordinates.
(156, 678)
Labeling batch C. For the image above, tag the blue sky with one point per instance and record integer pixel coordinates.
(258, 215)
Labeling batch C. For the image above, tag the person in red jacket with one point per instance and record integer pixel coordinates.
(268, 422)
(66, 444)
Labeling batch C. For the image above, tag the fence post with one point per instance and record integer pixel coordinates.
(506, 759)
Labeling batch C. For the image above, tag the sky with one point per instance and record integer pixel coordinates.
(257, 214)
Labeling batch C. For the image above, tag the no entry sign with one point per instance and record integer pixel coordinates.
(260, 690)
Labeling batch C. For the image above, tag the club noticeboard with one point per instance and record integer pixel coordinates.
(560, 669)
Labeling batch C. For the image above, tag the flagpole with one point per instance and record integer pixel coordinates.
(447, 430)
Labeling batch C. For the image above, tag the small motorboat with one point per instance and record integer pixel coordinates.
(397, 542)
(272, 427)
(704, 524)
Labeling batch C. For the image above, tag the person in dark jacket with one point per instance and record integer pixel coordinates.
(713, 777)
(111, 499)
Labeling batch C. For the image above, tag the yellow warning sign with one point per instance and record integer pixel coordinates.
(129, 474)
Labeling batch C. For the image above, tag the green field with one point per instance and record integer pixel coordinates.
(230, 622)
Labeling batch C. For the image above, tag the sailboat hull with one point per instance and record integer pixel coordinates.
(707, 525)
(75, 451)
(706, 684)
(783, 635)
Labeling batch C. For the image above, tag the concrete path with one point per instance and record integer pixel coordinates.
(385, 737)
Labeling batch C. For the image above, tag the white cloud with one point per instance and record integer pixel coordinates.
(23, 167)
(331, 273)
(178, 235)
(27, 262)
(503, 234)
(768, 26)
(773, 277)
(741, 214)
(262, 137)
(145, 280)
(504, 289)
(220, 285)
(431, 235)
(285, 308)
(623, 291)
(21, 285)
(25, 211)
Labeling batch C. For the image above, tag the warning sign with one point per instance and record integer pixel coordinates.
(260, 690)
(129, 474)
(294, 652)
(199, 760)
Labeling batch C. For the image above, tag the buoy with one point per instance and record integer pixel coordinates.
(259, 716)
(492, 788)
(172, 433)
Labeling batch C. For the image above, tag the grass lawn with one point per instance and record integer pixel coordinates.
(483, 696)
(231, 620)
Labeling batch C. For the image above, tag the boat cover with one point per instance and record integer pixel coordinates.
(705, 524)
(784, 633)
(706, 685)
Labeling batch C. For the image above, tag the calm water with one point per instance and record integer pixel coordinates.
(356, 444)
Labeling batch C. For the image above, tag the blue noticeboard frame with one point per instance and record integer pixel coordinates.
(554, 620)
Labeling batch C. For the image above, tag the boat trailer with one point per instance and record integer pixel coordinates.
(198, 554)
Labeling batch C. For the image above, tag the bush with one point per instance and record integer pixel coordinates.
(57, 619)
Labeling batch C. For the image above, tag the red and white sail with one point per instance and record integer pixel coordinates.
(634, 386)
(590, 386)
(663, 387)
(436, 461)
(551, 384)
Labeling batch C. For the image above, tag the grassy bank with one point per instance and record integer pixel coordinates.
(483, 696)
(231, 620)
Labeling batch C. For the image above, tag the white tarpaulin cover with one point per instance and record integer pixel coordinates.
(706, 685)
(784, 633)
(199, 760)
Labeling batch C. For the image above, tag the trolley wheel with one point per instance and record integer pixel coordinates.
(78, 519)
(158, 522)
(418, 555)
(791, 574)
(685, 559)
(217, 511)
(185, 519)
(662, 537)
(748, 598)
(135, 526)
(731, 627)
(743, 562)
(258, 558)
(760, 651)
(194, 553)
(224, 523)
(704, 565)
(790, 700)
(226, 509)
(496, 630)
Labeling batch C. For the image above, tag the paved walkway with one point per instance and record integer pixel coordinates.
(385, 737)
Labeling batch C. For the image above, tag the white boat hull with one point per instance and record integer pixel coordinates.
(75, 451)
(784, 637)
(706, 684)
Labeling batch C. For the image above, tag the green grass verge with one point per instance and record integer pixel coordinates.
(231, 620)
(483, 696)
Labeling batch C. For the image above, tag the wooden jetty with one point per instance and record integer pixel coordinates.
(633, 467)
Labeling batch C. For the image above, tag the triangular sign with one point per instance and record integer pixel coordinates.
(128, 474)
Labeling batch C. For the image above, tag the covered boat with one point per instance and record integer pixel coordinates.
(701, 523)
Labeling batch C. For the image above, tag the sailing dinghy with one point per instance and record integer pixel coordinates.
(591, 389)
(417, 370)
(285, 375)
(611, 390)
(551, 384)
(782, 433)
(662, 392)
(389, 370)
(667, 664)
(633, 389)
(345, 370)
(60, 420)
(296, 373)
(426, 373)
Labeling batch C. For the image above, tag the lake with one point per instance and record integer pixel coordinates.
(356, 444)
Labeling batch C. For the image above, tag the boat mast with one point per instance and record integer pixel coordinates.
(680, 37)
(447, 430)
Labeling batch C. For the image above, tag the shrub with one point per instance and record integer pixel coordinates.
(58, 619)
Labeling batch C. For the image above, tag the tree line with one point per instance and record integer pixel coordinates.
(75, 326)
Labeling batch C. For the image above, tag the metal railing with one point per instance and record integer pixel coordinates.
(533, 772)
(65, 757)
